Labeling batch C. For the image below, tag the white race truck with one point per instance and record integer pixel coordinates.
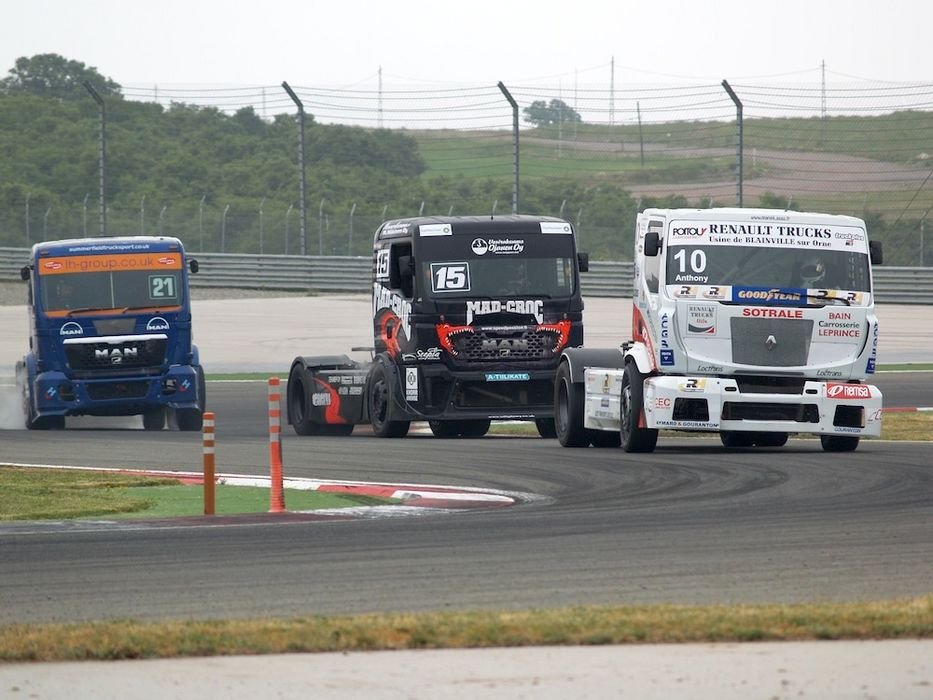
(753, 323)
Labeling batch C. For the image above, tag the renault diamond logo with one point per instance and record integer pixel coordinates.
(771, 342)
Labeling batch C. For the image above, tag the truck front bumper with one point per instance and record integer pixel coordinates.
(56, 394)
(719, 404)
(436, 392)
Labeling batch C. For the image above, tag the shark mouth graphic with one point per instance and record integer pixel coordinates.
(448, 334)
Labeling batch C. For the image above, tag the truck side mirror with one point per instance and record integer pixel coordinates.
(875, 252)
(652, 244)
(193, 265)
(583, 262)
(24, 273)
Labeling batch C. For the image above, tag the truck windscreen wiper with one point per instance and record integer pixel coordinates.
(153, 308)
(829, 300)
(85, 309)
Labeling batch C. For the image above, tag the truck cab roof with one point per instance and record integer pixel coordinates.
(110, 244)
(504, 224)
(737, 214)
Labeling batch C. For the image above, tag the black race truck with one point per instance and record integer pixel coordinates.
(470, 315)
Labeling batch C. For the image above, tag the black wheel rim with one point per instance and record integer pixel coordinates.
(380, 402)
(626, 410)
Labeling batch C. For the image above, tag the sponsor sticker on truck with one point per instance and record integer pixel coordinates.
(847, 391)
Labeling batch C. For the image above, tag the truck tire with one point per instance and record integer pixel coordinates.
(771, 439)
(443, 428)
(202, 389)
(839, 443)
(297, 404)
(471, 428)
(46, 423)
(154, 420)
(380, 400)
(605, 438)
(736, 438)
(546, 428)
(568, 410)
(33, 422)
(633, 438)
(741, 438)
(475, 428)
(190, 420)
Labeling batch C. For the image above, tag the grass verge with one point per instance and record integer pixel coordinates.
(587, 625)
(55, 494)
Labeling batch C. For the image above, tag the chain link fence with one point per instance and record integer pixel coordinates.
(804, 146)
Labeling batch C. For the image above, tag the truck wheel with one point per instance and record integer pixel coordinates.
(444, 428)
(46, 423)
(154, 420)
(546, 428)
(839, 443)
(568, 410)
(297, 402)
(380, 405)
(189, 419)
(297, 398)
(605, 438)
(474, 428)
(771, 439)
(459, 428)
(192, 419)
(202, 389)
(634, 438)
(736, 438)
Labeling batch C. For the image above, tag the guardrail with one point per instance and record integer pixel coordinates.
(340, 274)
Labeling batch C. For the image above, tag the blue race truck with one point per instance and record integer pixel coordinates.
(110, 333)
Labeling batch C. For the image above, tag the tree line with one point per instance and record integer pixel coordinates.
(182, 162)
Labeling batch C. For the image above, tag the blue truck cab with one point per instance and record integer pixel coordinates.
(110, 333)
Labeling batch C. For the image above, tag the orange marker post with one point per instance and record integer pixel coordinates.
(276, 492)
(208, 451)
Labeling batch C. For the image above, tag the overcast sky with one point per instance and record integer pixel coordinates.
(416, 42)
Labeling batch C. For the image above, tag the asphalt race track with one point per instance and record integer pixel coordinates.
(691, 523)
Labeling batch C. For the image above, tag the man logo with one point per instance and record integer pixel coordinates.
(116, 355)
(157, 323)
(71, 329)
(480, 246)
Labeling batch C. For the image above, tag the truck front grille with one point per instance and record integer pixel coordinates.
(519, 396)
(771, 342)
(105, 391)
(481, 345)
(127, 354)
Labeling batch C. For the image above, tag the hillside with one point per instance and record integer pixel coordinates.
(230, 181)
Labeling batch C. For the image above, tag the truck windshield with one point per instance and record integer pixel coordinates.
(68, 293)
(806, 268)
(548, 277)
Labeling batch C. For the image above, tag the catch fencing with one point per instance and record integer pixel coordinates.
(351, 275)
